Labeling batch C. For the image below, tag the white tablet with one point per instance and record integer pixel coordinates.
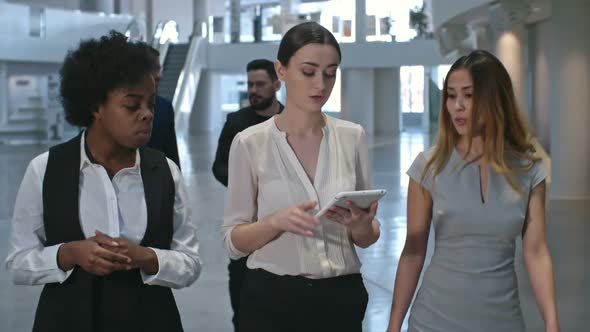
(362, 198)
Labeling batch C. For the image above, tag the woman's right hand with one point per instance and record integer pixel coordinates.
(93, 256)
(295, 219)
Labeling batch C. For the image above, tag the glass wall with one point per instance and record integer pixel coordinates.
(265, 21)
(411, 144)
(442, 73)
(412, 89)
(390, 20)
(334, 103)
(234, 92)
(338, 16)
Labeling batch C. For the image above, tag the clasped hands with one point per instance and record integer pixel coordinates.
(103, 255)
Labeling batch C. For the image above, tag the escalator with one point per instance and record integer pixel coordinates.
(174, 62)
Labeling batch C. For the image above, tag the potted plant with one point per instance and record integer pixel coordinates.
(419, 21)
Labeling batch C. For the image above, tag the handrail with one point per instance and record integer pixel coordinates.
(165, 32)
(188, 80)
(135, 31)
(160, 44)
(163, 49)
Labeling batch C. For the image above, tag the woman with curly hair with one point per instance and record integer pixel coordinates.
(100, 221)
(481, 186)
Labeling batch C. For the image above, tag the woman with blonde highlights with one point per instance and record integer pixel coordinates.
(481, 186)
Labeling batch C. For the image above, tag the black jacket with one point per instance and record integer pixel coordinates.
(163, 131)
(236, 122)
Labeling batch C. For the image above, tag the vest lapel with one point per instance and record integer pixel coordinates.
(158, 188)
(61, 186)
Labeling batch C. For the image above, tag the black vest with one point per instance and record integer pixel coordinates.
(120, 301)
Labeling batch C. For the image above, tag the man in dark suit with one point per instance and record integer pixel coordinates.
(163, 132)
(263, 84)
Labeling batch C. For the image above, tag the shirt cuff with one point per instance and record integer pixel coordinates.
(150, 279)
(52, 251)
(175, 270)
(233, 252)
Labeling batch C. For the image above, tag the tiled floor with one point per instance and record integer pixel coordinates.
(205, 305)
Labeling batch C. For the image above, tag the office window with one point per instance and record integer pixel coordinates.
(334, 103)
(443, 70)
(390, 20)
(412, 89)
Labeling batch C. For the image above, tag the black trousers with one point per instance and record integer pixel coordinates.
(237, 272)
(271, 303)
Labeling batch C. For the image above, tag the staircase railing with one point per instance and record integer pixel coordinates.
(188, 81)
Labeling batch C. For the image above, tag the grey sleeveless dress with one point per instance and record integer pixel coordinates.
(470, 284)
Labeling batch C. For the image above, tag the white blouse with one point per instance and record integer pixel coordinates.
(115, 207)
(265, 176)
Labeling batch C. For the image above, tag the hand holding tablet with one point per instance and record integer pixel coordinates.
(363, 199)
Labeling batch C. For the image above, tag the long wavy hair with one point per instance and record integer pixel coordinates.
(505, 132)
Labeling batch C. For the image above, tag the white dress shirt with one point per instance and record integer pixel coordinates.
(265, 176)
(115, 207)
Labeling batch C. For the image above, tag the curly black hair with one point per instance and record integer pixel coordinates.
(97, 67)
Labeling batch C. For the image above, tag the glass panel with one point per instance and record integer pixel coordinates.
(247, 25)
(442, 73)
(386, 20)
(234, 92)
(37, 21)
(336, 15)
(390, 20)
(271, 25)
(334, 103)
(411, 144)
(166, 32)
(412, 89)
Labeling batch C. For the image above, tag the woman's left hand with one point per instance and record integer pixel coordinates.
(353, 217)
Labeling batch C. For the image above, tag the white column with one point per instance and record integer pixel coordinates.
(104, 6)
(433, 100)
(387, 107)
(426, 99)
(541, 82)
(150, 25)
(200, 116)
(200, 16)
(181, 11)
(360, 24)
(216, 116)
(234, 20)
(3, 93)
(357, 97)
(511, 49)
(570, 119)
(289, 11)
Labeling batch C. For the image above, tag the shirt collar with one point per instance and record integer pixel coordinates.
(278, 133)
(85, 161)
